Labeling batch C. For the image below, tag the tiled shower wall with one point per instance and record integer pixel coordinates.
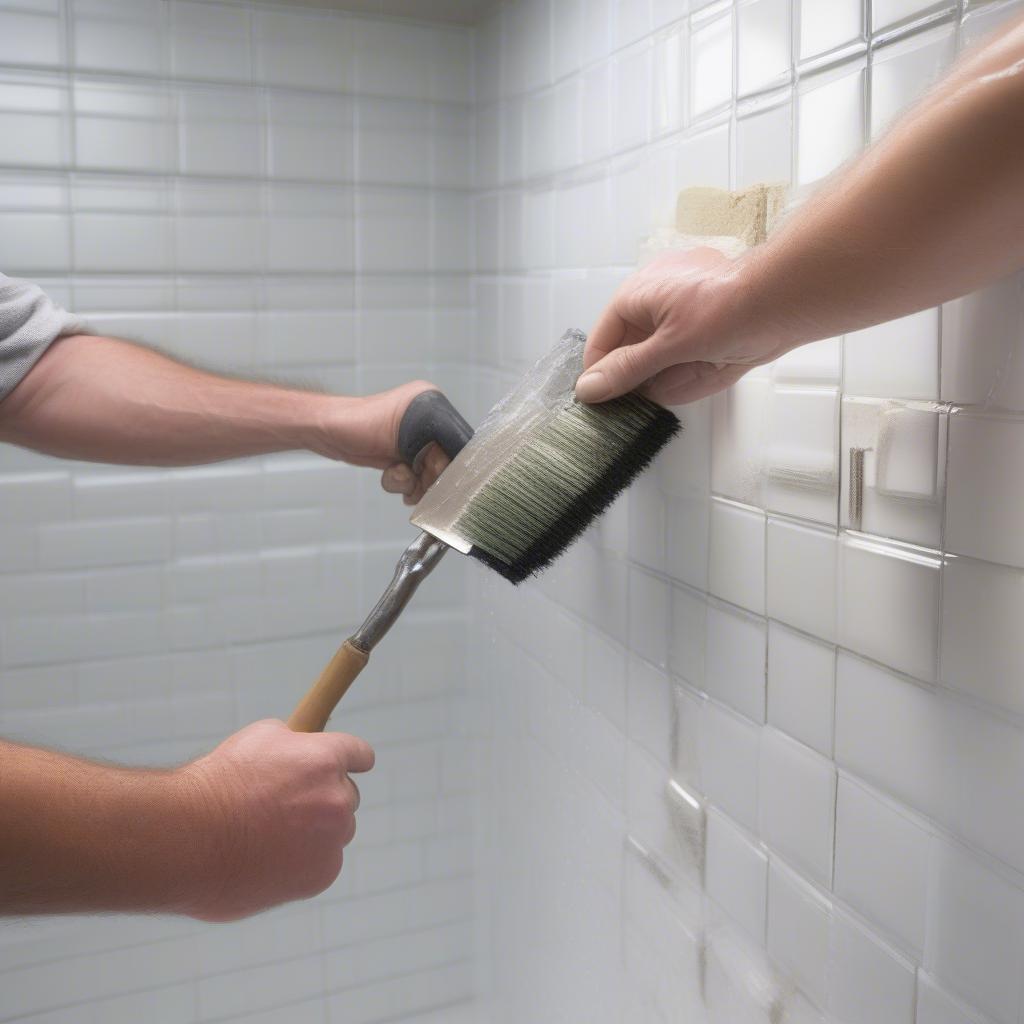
(282, 193)
(757, 747)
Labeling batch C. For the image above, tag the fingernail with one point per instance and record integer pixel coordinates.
(592, 387)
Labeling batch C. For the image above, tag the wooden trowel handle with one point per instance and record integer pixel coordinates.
(313, 711)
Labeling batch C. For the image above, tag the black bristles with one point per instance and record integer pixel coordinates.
(560, 480)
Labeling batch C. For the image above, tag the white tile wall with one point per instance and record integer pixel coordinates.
(840, 681)
(186, 173)
(692, 804)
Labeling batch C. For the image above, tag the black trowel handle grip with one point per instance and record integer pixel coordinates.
(430, 417)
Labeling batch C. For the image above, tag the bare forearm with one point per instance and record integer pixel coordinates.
(111, 401)
(79, 836)
(932, 211)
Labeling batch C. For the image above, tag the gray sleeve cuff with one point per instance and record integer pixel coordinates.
(29, 323)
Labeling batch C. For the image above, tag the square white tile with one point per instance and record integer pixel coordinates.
(736, 874)
(867, 981)
(981, 341)
(802, 456)
(801, 687)
(802, 580)
(881, 870)
(798, 929)
(898, 359)
(796, 804)
(735, 660)
(764, 48)
(982, 644)
(736, 570)
(975, 932)
(889, 604)
(764, 148)
(711, 45)
(729, 762)
(830, 121)
(827, 25)
(983, 500)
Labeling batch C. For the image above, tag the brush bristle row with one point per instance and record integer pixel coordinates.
(560, 480)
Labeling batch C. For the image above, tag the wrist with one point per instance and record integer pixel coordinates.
(204, 856)
(739, 309)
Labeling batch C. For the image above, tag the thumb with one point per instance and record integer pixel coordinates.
(621, 370)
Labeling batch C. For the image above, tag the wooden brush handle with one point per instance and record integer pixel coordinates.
(313, 711)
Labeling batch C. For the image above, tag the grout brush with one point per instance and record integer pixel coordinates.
(539, 470)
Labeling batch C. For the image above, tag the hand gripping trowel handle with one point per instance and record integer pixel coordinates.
(429, 418)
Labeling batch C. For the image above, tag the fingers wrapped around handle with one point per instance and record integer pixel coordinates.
(431, 418)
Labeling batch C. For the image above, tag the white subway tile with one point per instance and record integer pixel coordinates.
(799, 920)
(686, 731)
(218, 243)
(801, 457)
(801, 687)
(820, 362)
(392, 58)
(210, 42)
(934, 1006)
(737, 556)
(124, 242)
(35, 497)
(867, 981)
(932, 752)
(123, 127)
(451, 65)
(737, 440)
(975, 932)
(306, 50)
(736, 874)
(729, 763)
(764, 47)
(33, 117)
(898, 359)
(830, 121)
(802, 577)
(980, 342)
(394, 142)
(631, 92)
(113, 37)
(17, 548)
(882, 857)
(982, 647)
(826, 25)
(675, 835)
(31, 243)
(797, 799)
(890, 12)
(736, 653)
(649, 607)
(687, 644)
(710, 85)
(220, 132)
(889, 604)
(116, 542)
(669, 82)
(703, 159)
(596, 30)
(29, 37)
(983, 500)
(649, 710)
(764, 151)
